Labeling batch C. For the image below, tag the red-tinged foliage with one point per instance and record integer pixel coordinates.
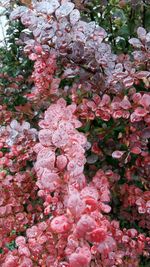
(74, 158)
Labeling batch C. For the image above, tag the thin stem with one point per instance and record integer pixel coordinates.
(143, 16)
(111, 29)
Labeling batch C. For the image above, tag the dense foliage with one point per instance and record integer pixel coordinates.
(75, 135)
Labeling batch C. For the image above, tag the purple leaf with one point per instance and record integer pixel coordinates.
(18, 12)
(142, 74)
(64, 10)
(46, 7)
(141, 33)
(74, 16)
(135, 42)
(146, 133)
(117, 154)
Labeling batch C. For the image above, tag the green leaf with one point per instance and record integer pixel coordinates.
(11, 245)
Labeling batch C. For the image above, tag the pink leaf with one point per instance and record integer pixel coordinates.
(81, 257)
(142, 74)
(74, 16)
(128, 81)
(141, 32)
(140, 112)
(117, 154)
(135, 42)
(146, 133)
(45, 137)
(98, 235)
(64, 10)
(145, 101)
(61, 162)
(135, 150)
(125, 103)
(46, 7)
(60, 224)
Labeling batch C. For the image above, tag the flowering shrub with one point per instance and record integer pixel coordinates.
(74, 155)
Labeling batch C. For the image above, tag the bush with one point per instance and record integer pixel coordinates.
(74, 135)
